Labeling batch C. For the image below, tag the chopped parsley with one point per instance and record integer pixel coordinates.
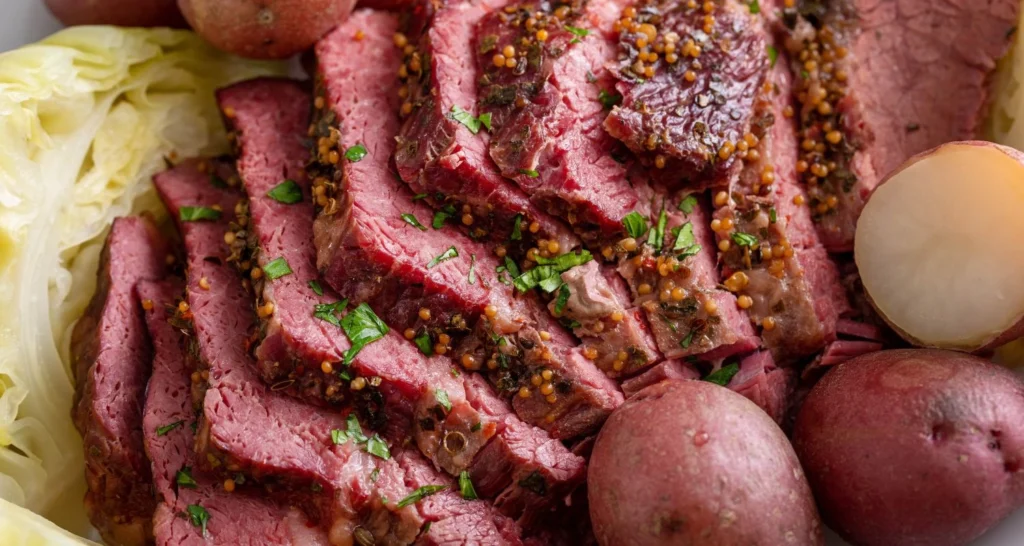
(362, 327)
(743, 239)
(609, 100)
(161, 431)
(353, 431)
(356, 153)
(472, 123)
(330, 312)
(754, 6)
(688, 204)
(547, 273)
(420, 494)
(276, 269)
(685, 245)
(338, 437)
(442, 398)
(772, 215)
(657, 238)
(476, 427)
(378, 447)
(563, 299)
(424, 343)
(580, 33)
(517, 228)
(419, 196)
(686, 341)
(635, 224)
(472, 268)
(288, 192)
(413, 221)
(198, 516)
(449, 254)
(485, 120)
(374, 475)
(442, 216)
(197, 214)
(315, 286)
(723, 375)
(466, 488)
(217, 181)
(773, 55)
(184, 478)
(529, 172)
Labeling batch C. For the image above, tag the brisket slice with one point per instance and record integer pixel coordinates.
(449, 428)
(251, 429)
(772, 258)
(688, 116)
(239, 517)
(443, 158)
(420, 281)
(547, 112)
(677, 284)
(112, 362)
(872, 81)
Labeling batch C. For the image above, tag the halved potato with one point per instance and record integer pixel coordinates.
(940, 247)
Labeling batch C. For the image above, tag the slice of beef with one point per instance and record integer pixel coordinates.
(435, 285)
(442, 145)
(872, 97)
(112, 355)
(240, 516)
(688, 80)
(321, 458)
(769, 251)
(426, 393)
(676, 282)
(668, 370)
(548, 108)
(766, 385)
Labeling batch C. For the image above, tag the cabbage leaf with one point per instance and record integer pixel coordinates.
(87, 116)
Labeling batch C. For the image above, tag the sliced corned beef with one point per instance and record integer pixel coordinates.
(769, 387)
(437, 286)
(112, 356)
(770, 253)
(674, 277)
(442, 146)
(239, 516)
(885, 81)
(548, 108)
(426, 393)
(687, 107)
(670, 369)
(323, 458)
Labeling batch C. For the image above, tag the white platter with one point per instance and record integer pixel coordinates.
(26, 21)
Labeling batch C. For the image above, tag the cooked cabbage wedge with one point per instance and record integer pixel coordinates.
(22, 527)
(87, 116)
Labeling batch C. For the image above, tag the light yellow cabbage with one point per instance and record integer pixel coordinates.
(86, 117)
(21, 527)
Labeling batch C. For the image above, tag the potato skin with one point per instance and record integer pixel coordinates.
(264, 29)
(692, 463)
(125, 13)
(914, 447)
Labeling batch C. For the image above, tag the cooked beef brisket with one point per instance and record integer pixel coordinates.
(418, 391)
(436, 285)
(249, 428)
(769, 387)
(112, 356)
(688, 109)
(442, 146)
(238, 516)
(668, 370)
(885, 81)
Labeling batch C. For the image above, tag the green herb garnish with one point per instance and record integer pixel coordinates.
(472, 123)
(315, 286)
(424, 343)
(547, 273)
(356, 153)
(276, 269)
(413, 221)
(563, 299)
(517, 228)
(529, 173)
(773, 55)
(330, 312)
(686, 341)
(635, 224)
(754, 6)
(442, 398)
(184, 478)
(772, 215)
(198, 516)
(688, 204)
(449, 254)
(442, 216)
(472, 269)
(609, 100)
(288, 192)
(657, 238)
(161, 431)
(378, 447)
(743, 239)
(196, 214)
(420, 494)
(362, 327)
(466, 486)
(723, 375)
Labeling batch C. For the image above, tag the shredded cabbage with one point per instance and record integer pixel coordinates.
(87, 116)
(22, 527)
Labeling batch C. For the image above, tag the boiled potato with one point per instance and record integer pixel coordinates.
(264, 29)
(914, 447)
(938, 247)
(692, 463)
(126, 13)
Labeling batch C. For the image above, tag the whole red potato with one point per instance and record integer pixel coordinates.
(264, 29)
(914, 447)
(125, 13)
(691, 463)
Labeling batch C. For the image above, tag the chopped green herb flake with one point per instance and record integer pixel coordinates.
(476, 427)
(688, 204)
(691, 251)
(362, 327)
(684, 237)
(354, 429)
(754, 6)
(466, 486)
(377, 447)
(330, 312)
(723, 375)
(772, 215)
(344, 375)
(517, 228)
(657, 238)
(413, 221)
(424, 343)
(198, 516)
(161, 431)
(773, 55)
(338, 437)
(288, 192)
(442, 216)
(743, 239)
(315, 286)
(472, 268)
(217, 181)
(197, 214)
(635, 224)
(563, 299)
(420, 494)
(609, 100)
(184, 478)
(356, 153)
(472, 123)
(442, 398)
(686, 341)
(374, 475)
(449, 254)
(419, 196)
(485, 120)
(547, 273)
(276, 269)
(529, 173)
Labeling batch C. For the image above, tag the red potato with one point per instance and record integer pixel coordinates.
(914, 447)
(264, 29)
(125, 13)
(692, 463)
